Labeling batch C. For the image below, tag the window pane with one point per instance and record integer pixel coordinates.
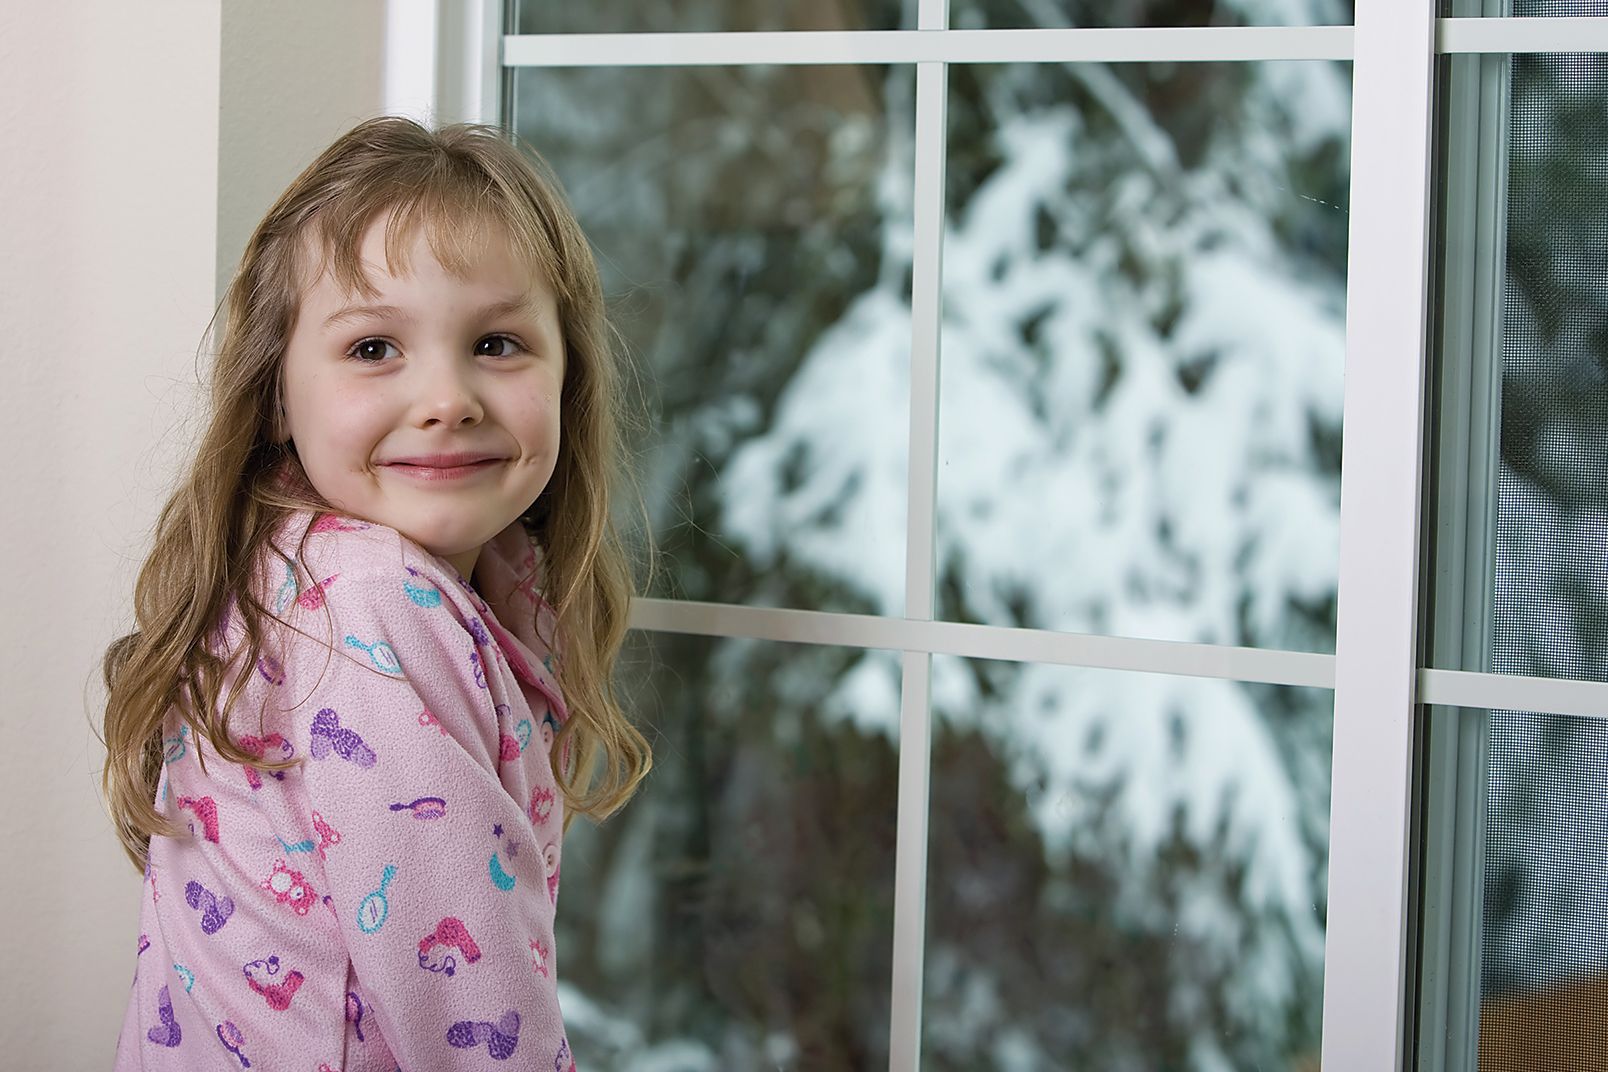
(661, 16)
(1054, 14)
(1544, 977)
(1126, 871)
(1552, 575)
(753, 228)
(1547, 574)
(738, 913)
(1511, 926)
(1143, 349)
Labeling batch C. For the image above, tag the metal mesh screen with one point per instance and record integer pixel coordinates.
(1545, 956)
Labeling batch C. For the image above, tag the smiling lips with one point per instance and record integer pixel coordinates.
(444, 466)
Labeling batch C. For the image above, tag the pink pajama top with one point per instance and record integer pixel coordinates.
(389, 904)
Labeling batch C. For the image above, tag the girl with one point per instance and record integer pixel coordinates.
(371, 679)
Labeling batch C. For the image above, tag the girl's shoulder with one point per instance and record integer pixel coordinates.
(324, 572)
(321, 565)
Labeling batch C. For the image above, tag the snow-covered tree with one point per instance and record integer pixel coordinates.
(1142, 353)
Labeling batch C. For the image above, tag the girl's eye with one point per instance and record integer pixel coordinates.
(372, 351)
(364, 350)
(513, 344)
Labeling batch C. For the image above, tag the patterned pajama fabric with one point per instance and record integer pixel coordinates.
(390, 903)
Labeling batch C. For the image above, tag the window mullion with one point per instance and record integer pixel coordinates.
(915, 715)
(1375, 652)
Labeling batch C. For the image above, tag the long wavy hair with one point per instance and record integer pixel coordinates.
(245, 479)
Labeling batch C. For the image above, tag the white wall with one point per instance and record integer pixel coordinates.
(138, 145)
(296, 75)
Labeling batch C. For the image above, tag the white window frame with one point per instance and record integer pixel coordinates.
(443, 60)
(448, 60)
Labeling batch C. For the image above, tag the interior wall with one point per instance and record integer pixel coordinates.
(139, 143)
(295, 75)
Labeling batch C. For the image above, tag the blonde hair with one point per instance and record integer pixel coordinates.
(244, 481)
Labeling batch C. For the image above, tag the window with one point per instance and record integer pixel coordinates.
(1512, 935)
(1037, 670)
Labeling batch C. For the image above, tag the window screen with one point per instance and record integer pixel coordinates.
(1544, 977)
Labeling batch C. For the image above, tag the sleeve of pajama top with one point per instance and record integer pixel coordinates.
(425, 727)
(389, 901)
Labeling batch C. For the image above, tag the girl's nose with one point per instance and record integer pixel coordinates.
(445, 396)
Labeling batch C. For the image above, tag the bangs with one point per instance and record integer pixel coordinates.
(459, 219)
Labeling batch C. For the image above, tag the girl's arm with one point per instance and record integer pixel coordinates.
(443, 884)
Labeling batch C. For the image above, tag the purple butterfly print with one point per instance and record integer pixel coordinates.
(168, 1033)
(328, 733)
(478, 631)
(215, 910)
(500, 1038)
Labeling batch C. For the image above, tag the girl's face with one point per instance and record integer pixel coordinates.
(375, 397)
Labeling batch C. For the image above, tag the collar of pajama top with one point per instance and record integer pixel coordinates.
(509, 572)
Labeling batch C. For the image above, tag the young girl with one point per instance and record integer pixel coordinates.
(371, 679)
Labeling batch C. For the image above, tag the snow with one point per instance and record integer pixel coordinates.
(845, 412)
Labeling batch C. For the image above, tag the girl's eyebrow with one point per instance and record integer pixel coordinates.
(520, 304)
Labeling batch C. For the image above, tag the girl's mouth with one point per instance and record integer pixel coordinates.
(449, 472)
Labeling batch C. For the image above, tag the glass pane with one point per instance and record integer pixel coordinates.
(708, 16)
(1551, 574)
(1544, 978)
(1513, 845)
(738, 913)
(1143, 349)
(1546, 577)
(1055, 14)
(1126, 871)
(753, 228)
